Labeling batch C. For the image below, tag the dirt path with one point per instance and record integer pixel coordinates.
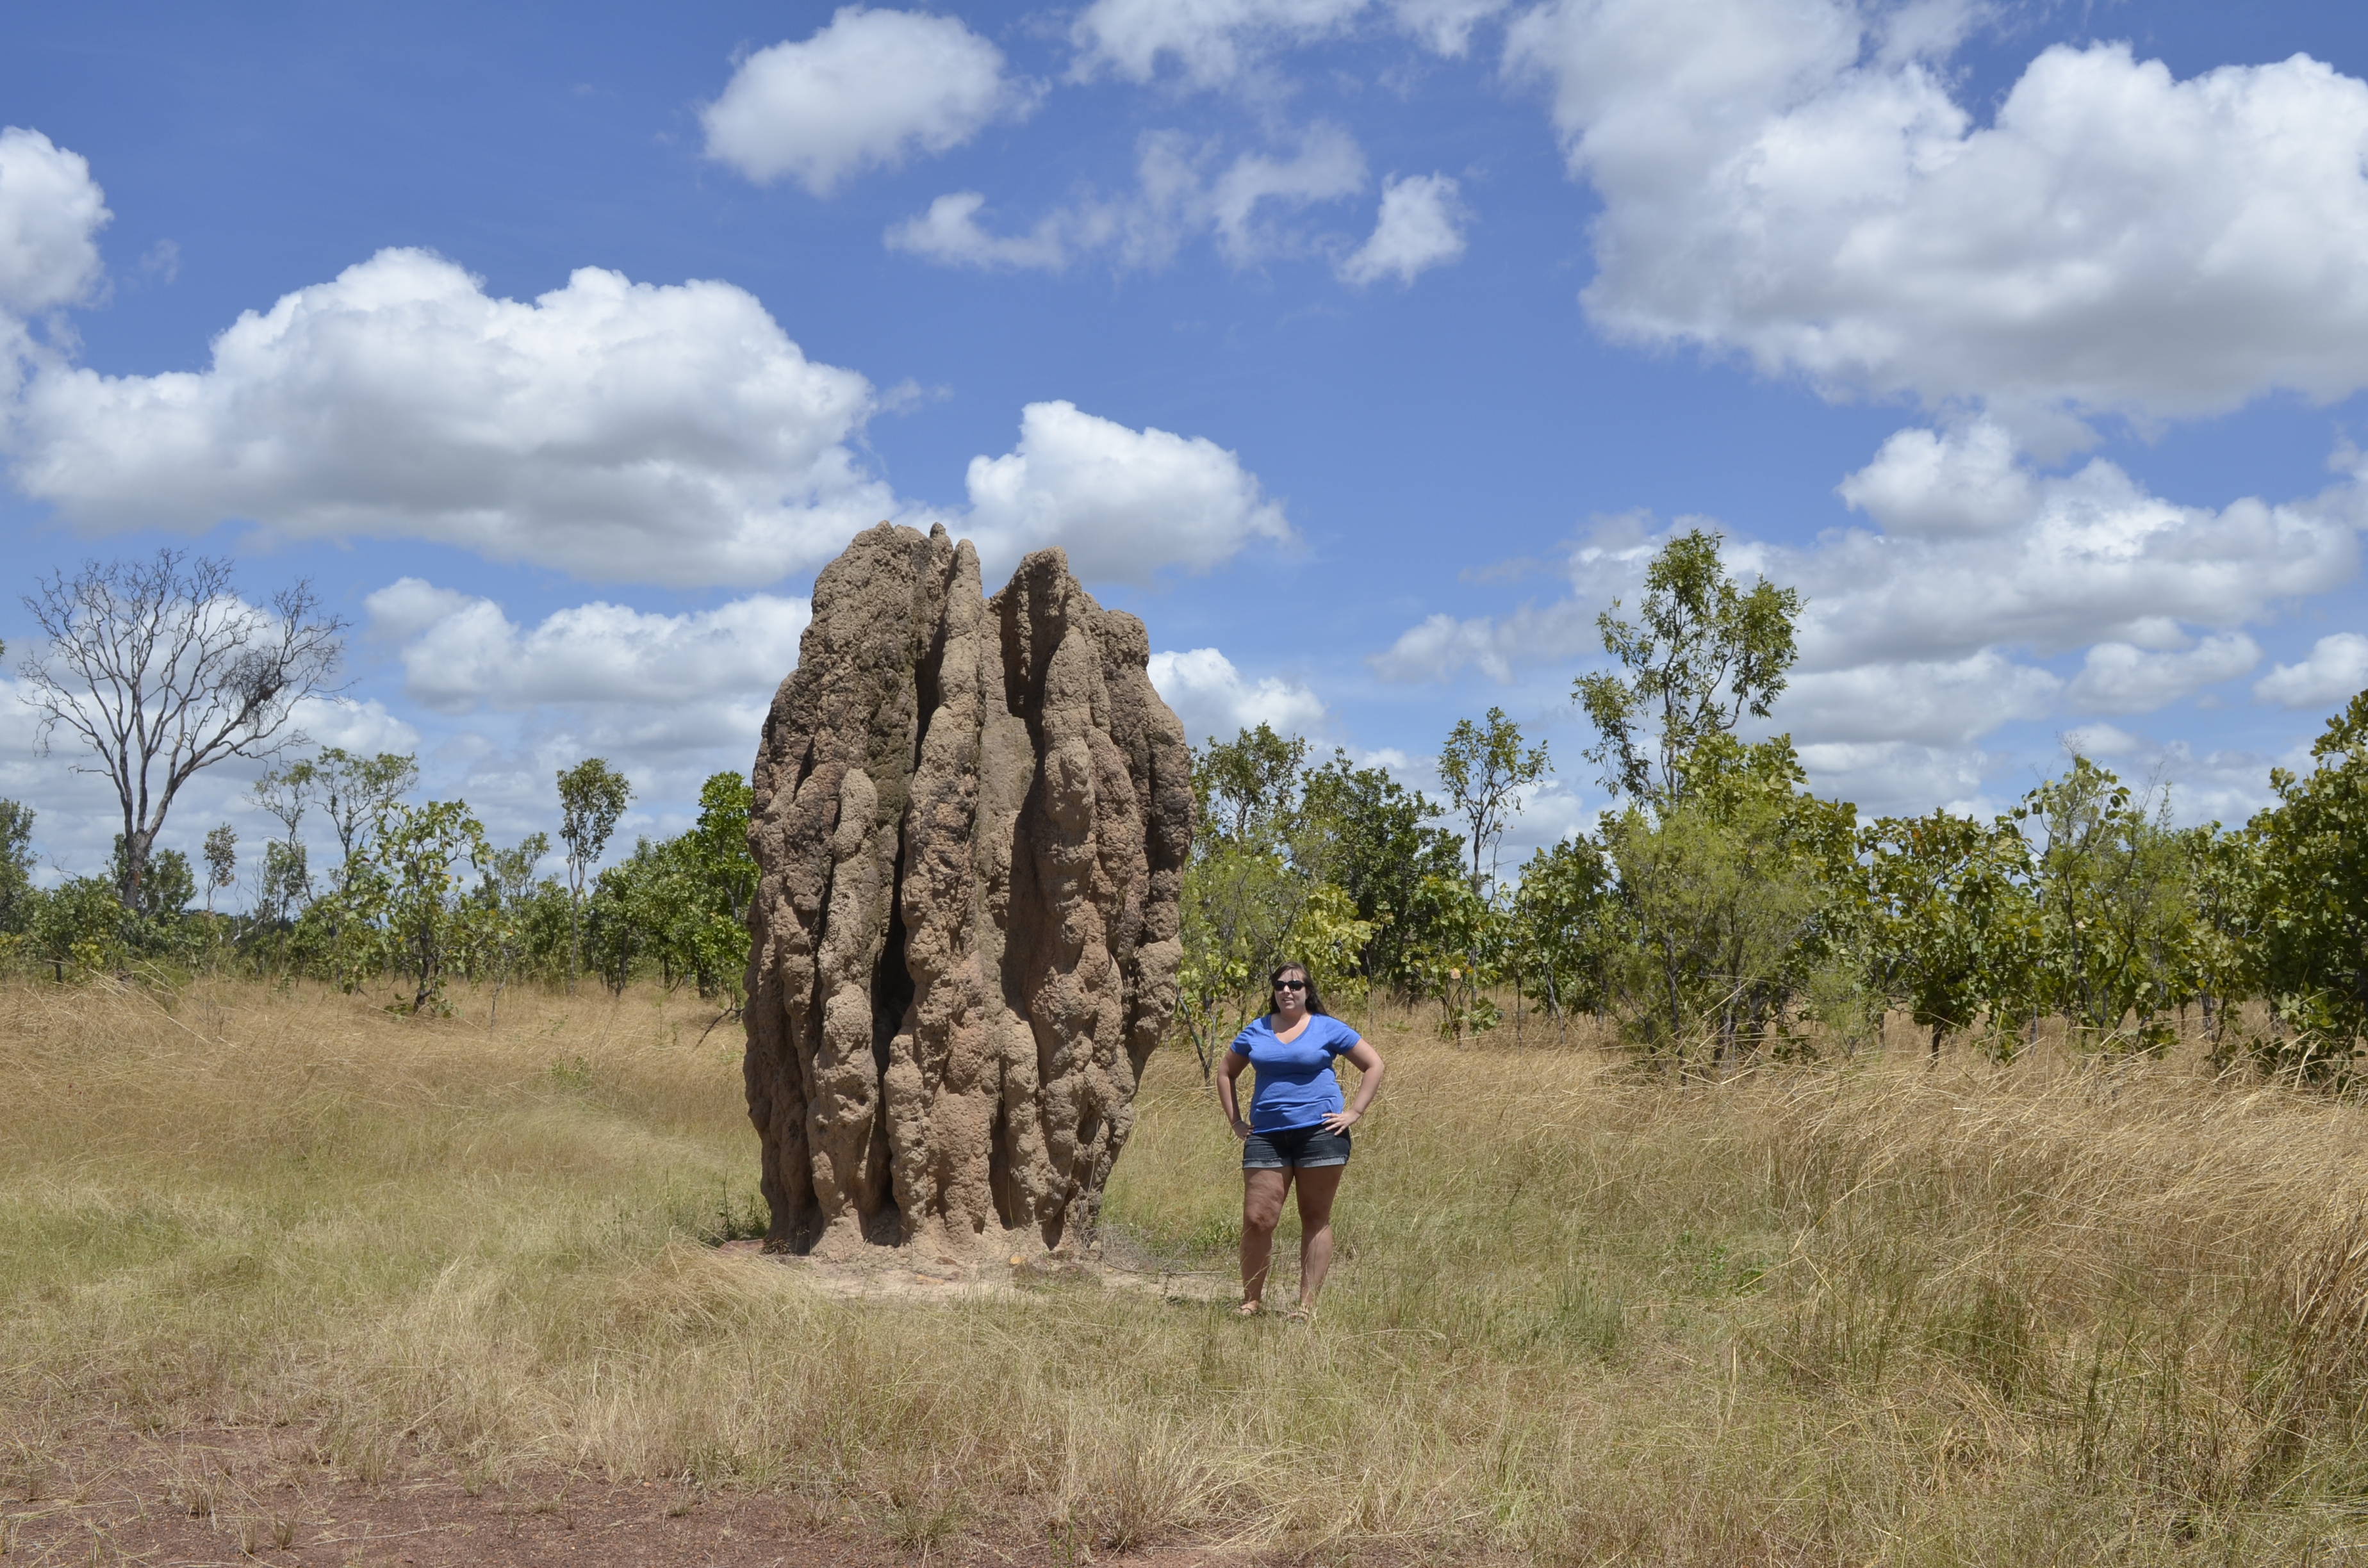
(108, 1495)
(244, 1497)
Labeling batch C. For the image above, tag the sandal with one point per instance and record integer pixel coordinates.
(1302, 1314)
(1249, 1309)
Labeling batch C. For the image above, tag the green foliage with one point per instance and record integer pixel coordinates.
(1329, 944)
(1702, 654)
(658, 910)
(17, 893)
(1698, 659)
(410, 889)
(165, 889)
(2224, 944)
(2309, 906)
(1562, 923)
(221, 861)
(1717, 909)
(81, 923)
(356, 791)
(2110, 877)
(1460, 954)
(1309, 868)
(1242, 907)
(1360, 831)
(681, 906)
(502, 923)
(1725, 906)
(287, 883)
(1485, 767)
(722, 838)
(1949, 924)
(592, 796)
(1246, 790)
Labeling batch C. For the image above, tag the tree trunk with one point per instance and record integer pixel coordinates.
(574, 937)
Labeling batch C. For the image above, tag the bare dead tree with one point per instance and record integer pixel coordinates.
(162, 670)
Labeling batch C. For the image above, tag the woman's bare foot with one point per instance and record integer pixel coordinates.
(1249, 1309)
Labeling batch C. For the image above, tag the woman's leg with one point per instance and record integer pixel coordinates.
(1317, 1186)
(1262, 1211)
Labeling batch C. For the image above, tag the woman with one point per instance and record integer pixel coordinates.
(1297, 1130)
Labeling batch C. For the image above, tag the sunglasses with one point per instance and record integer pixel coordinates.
(1291, 986)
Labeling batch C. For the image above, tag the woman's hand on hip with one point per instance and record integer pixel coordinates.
(1341, 1121)
(1241, 1130)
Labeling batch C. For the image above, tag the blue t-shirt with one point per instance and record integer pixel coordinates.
(1295, 1086)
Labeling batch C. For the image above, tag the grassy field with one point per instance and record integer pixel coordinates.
(2055, 1313)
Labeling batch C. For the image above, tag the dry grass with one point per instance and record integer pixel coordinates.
(2051, 1313)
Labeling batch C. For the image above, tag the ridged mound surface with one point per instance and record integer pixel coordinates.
(972, 817)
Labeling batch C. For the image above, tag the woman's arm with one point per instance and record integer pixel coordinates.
(1229, 1067)
(1369, 1063)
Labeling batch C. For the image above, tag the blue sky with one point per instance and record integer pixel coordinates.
(1365, 350)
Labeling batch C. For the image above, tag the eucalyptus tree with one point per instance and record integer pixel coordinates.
(592, 796)
(1247, 789)
(1701, 655)
(1951, 923)
(1563, 924)
(1728, 901)
(355, 790)
(504, 903)
(2111, 881)
(1245, 886)
(221, 861)
(1486, 767)
(411, 888)
(162, 670)
(1363, 832)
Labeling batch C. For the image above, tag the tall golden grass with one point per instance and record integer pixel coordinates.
(2063, 1311)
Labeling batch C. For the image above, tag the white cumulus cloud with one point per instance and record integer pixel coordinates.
(1938, 702)
(51, 212)
(1445, 26)
(2335, 671)
(364, 728)
(1211, 43)
(2120, 677)
(1182, 192)
(951, 234)
(1880, 777)
(669, 699)
(1924, 484)
(1123, 503)
(703, 679)
(2091, 557)
(869, 90)
(1215, 702)
(1221, 44)
(1419, 228)
(1920, 640)
(612, 429)
(1497, 645)
(1793, 179)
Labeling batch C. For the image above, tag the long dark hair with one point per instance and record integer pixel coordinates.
(1314, 1002)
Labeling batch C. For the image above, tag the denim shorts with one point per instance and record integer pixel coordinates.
(1304, 1148)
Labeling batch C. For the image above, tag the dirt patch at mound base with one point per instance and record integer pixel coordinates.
(237, 1496)
(908, 1272)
